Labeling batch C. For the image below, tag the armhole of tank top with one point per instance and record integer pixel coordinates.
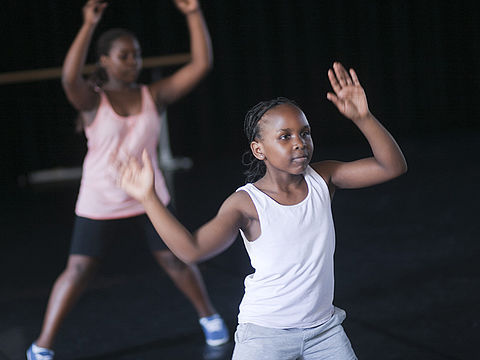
(94, 112)
(249, 192)
(147, 98)
(319, 178)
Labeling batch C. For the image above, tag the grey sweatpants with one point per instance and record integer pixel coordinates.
(326, 341)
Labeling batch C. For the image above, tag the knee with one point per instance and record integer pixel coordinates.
(169, 261)
(79, 271)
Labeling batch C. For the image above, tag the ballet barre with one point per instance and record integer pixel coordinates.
(23, 76)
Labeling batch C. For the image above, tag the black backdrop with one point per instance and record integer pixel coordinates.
(416, 59)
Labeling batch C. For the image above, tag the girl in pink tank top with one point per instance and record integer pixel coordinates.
(120, 116)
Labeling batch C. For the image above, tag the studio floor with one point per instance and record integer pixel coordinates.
(407, 269)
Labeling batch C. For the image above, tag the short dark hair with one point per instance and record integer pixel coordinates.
(103, 47)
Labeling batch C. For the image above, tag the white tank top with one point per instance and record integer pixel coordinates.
(292, 286)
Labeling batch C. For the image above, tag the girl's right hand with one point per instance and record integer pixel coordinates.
(187, 6)
(348, 96)
(137, 180)
(93, 11)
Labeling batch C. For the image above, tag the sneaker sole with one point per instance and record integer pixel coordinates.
(217, 342)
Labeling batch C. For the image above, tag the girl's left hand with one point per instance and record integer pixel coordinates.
(349, 96)
(187, 6)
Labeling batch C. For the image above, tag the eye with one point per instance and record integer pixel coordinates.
(305, 133)
(284, 137)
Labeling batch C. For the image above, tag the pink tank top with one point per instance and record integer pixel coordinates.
(112, 136)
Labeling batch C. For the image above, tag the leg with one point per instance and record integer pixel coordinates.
(188, 279)
(66, 290)
(254, 342)
(329, 340)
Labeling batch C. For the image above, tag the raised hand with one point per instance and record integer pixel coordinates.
(137, 180)
(187, 6)
(349, 96)
(93, 11)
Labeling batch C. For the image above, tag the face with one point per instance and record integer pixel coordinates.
(285, 142)
(124, 60)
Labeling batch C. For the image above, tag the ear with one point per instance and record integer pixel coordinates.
(103, 61)
(257, 150)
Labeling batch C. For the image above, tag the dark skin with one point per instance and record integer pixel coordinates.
(123, 64)
(285, 146)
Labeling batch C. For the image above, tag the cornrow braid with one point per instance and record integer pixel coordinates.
(256, 168)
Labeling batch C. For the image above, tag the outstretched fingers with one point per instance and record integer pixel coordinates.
(342, 74)
(147, 163)
(334, 81)
(337, 84)
(340, 78)
(335, 100)
(354, 76)
(126, 172)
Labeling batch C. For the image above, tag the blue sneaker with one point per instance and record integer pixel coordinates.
(35, 352)
(215, 330)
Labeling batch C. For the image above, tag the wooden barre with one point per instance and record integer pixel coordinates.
(53, 73)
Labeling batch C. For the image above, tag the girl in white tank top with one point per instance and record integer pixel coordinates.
(284, 217)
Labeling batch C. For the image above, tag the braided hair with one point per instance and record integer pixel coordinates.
(256, 168)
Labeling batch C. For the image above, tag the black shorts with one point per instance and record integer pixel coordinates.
(93, 237)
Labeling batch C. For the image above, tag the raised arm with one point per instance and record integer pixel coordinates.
(79, 92)
(171, 88)
(387, 161)
(209, 240)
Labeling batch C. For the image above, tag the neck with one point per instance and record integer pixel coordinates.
(280, 182)
(113, 85)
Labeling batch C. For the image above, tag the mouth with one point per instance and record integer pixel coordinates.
(300, 159)
(131, 69)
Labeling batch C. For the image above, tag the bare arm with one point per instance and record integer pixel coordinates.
(387, 161)
(209, 240)
(172, 88)
(79, 92)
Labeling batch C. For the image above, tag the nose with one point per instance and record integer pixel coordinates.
(133, 60)
(299, 142)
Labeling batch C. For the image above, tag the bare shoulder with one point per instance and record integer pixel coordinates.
(83, 96)
(326, 169)
(160, 91)
(239, 201)
(154, 89)
(239, 206)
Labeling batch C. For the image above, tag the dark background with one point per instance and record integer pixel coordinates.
(406, 258)
(418, 62)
